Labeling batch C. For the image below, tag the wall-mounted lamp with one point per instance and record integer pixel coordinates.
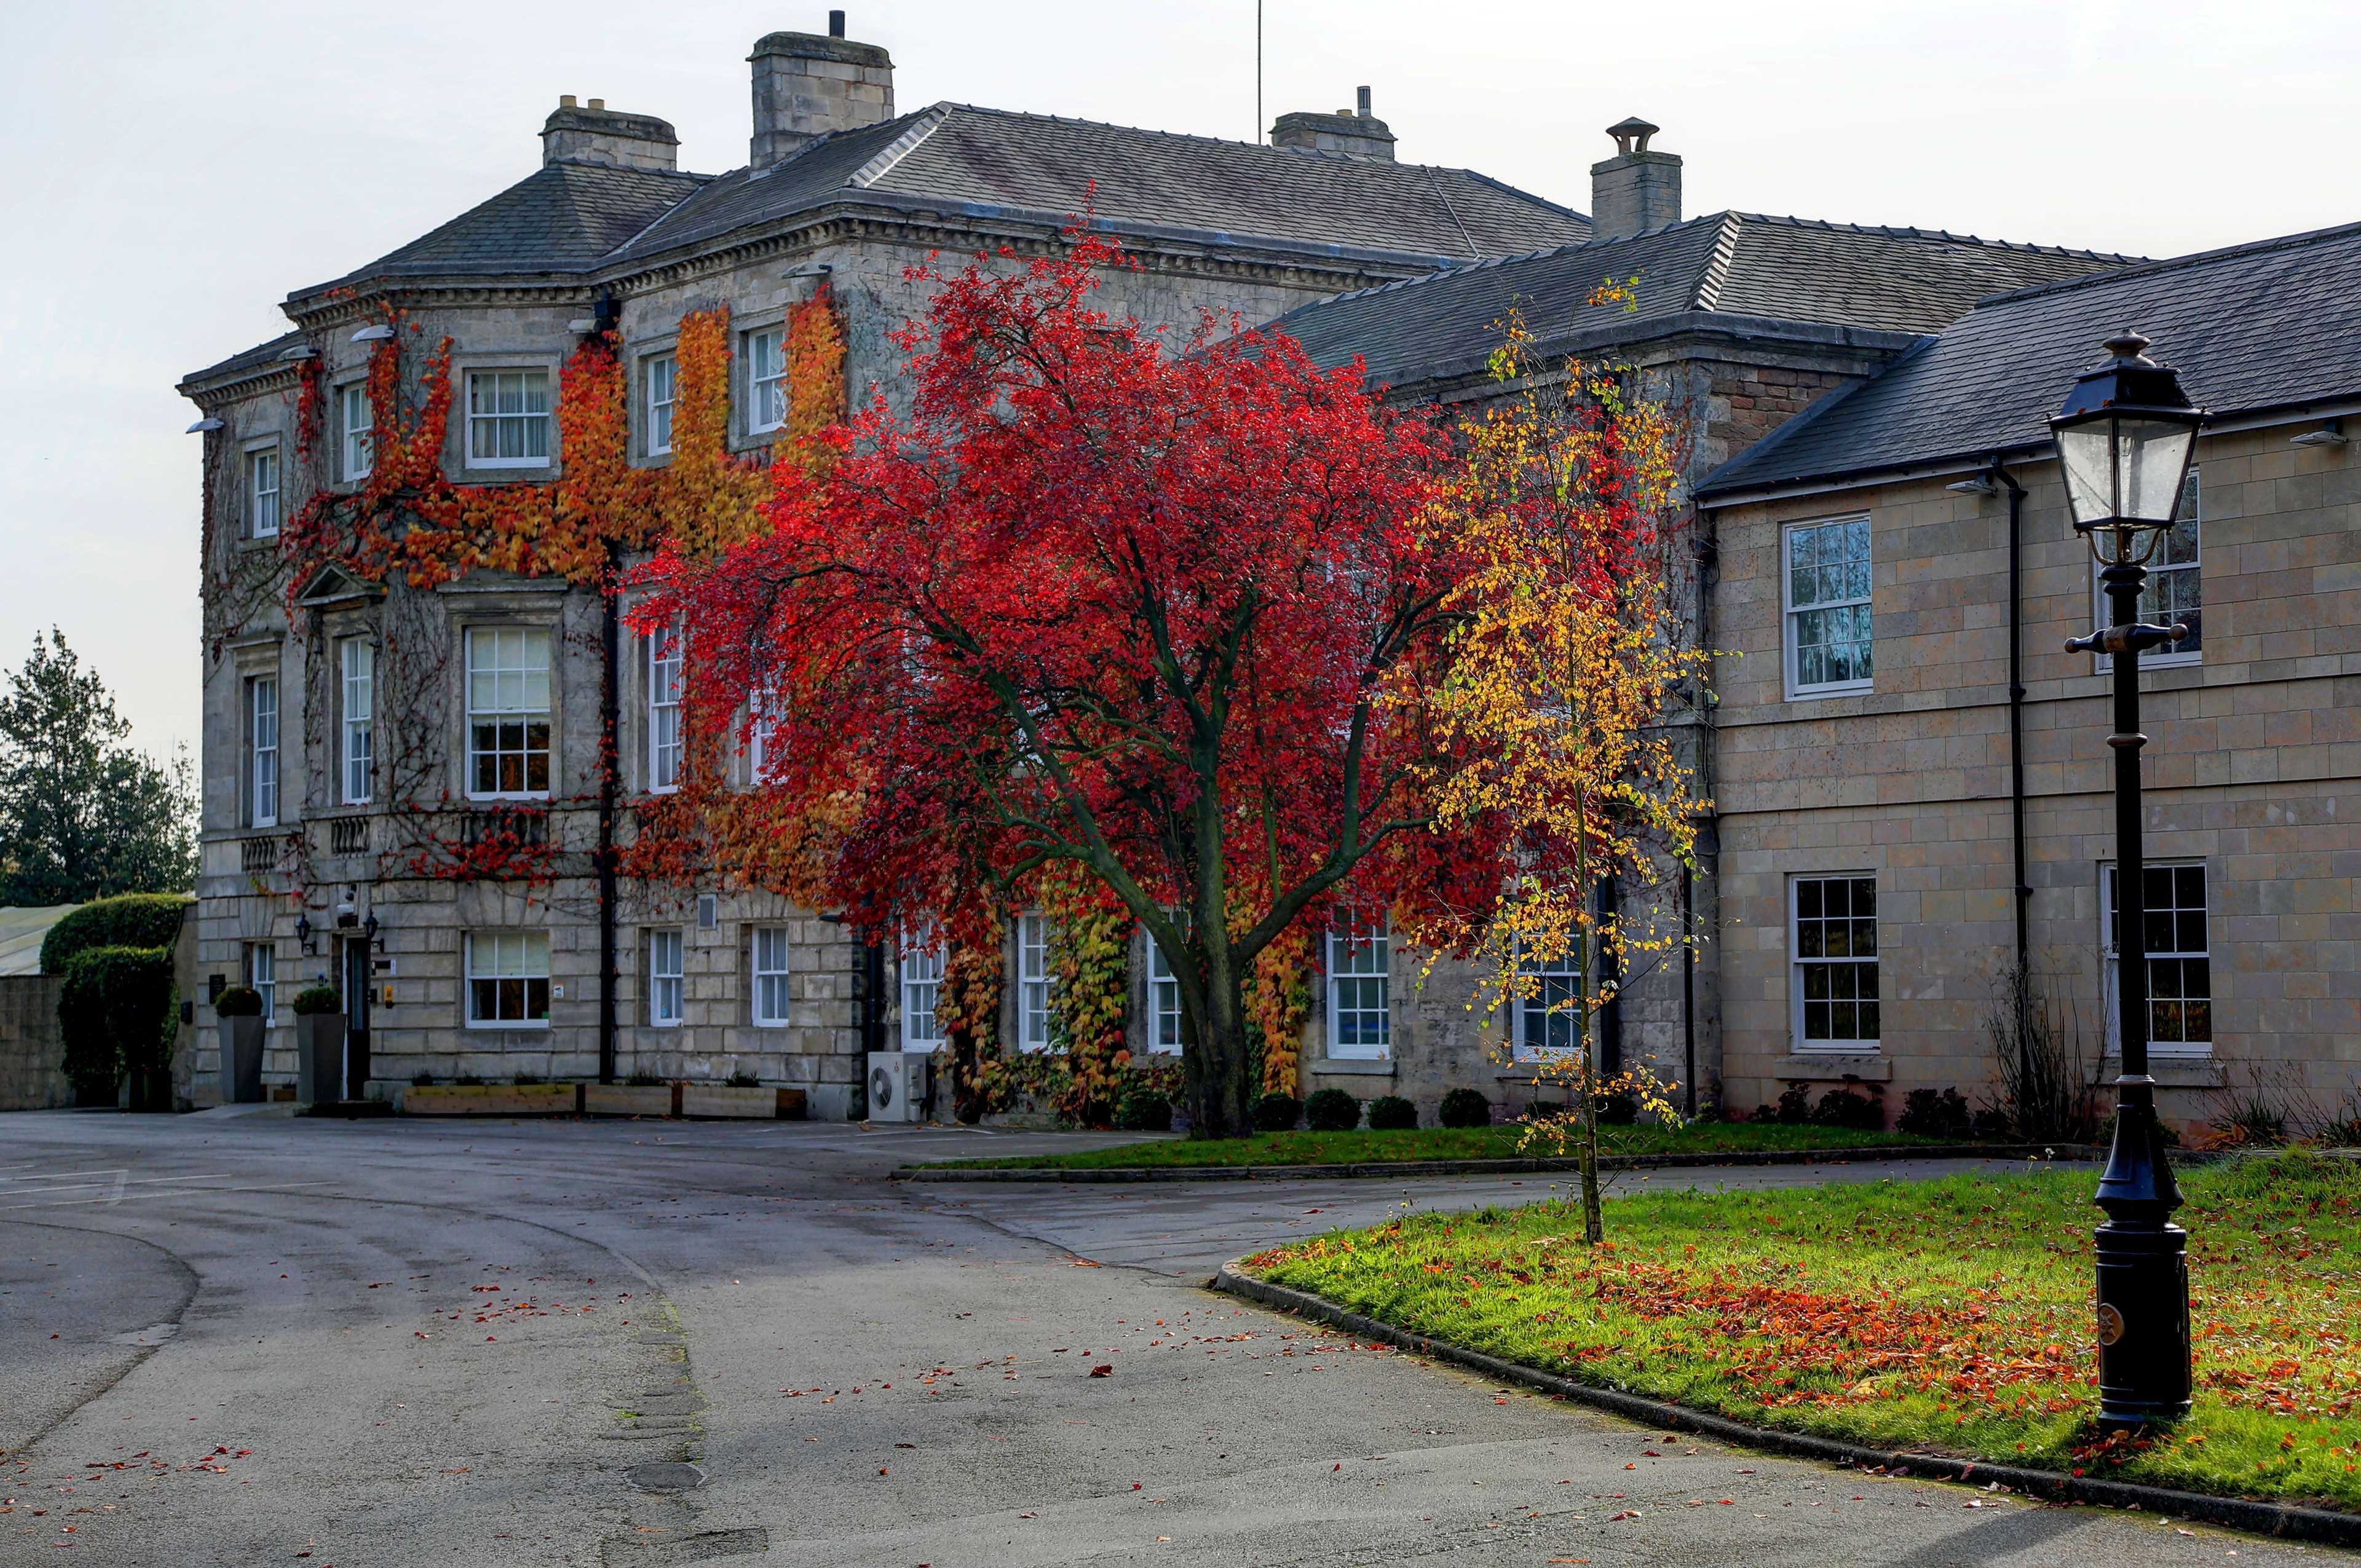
(808, 269)
(203, 427)
(1982, 484)
(377, 333)
(583, 326)
(2330, 434)
(369, 929)
(300, 352)
(303, 932)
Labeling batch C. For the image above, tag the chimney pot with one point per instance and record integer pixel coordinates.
(806, 86)
(599, 104)
(1636, 190)
(565, 100)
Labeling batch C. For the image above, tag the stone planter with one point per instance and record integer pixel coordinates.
(491, 1098)
(631, 1099)
(319, 1056)
(241, 1061)
(717, 1102)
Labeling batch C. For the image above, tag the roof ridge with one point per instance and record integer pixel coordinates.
(2142, 266)
(1707, 295)
(1256, 146)
(1905, 231)
(926, 122)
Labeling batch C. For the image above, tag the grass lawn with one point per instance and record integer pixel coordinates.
(1951, 1316)
(1446, 1142)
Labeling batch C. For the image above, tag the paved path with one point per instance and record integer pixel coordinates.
(452, 1343)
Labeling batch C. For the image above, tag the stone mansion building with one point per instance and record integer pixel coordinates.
(1907, 775)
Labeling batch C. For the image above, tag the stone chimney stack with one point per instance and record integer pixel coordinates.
(1356, 133)
(1636, 190)
(805, 86)
(599, 134)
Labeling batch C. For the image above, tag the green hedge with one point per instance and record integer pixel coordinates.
(117, 1015)
(134, 920)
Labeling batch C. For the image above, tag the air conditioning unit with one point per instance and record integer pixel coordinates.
(900, 1085)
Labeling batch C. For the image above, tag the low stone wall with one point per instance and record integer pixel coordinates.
(31, 1078)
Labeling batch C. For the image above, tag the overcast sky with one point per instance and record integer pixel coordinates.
(172, 171)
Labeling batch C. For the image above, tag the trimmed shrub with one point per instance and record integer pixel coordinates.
(643, 1080)
(1143, 1111)
(422, 1080)
(1332, 1111)
(238, 1002)
(1391, 1113)
(116, 1016)
(1465, 1108)
(1843, 1108)
(1930, 1113)
(1277, 1112)
(317, 1000)
(744, 1080)
(1992, 1125)
(1795, 1107)
(133, 920)
(1618, 1110)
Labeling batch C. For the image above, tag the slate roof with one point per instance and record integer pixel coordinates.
(584, 218)
(563, 217)
(988, 161)
(2274, 324)
(1730, 264)
(261, 357)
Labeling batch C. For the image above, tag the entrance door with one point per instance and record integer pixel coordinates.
(356, 989)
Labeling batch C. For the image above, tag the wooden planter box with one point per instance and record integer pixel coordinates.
(491, 1100)
(630, 1099)
(718, 1101)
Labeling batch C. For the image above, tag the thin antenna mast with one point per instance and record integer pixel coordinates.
(1258, 135)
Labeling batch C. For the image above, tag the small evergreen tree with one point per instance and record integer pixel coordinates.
(83, 814)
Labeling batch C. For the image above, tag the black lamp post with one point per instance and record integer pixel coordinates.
(2125, 439)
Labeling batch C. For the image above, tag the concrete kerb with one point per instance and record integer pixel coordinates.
(1607, 1165)
(2285, 1520)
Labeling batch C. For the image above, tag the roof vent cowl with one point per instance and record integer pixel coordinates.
(806, 86)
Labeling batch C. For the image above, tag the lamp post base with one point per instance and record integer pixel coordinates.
(2143, 1323)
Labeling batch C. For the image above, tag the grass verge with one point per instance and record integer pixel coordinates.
(1505, 1142)
(1950, 1316)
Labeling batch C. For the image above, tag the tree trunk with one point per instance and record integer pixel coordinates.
(1221, 1101)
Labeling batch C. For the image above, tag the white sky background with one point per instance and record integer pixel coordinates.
(172, 171)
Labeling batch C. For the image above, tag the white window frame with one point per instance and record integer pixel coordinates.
(2109, 961)
(531, 426)
(358, 418)
(1033, 934)
(773, 960)
(766, 380)
(1856, 1044)
(262, 491)
(1163, 1003)
(665, 748)
(659, 394)
(1533, 1012)
(522, 956)
(924, 963)
(667, 977)
(261, 965)
(1359, 959)
(510, 707)
(1790, 613)
(262, 728)
(357, 723)
(2193, 651)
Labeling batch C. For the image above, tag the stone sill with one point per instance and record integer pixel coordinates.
(1356, 1067)
(2172, 1073)
(1833, 1066)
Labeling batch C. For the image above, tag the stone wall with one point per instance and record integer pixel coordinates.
(31, 1049)
(2253, 770)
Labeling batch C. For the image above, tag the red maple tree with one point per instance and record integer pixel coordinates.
(1155, 610)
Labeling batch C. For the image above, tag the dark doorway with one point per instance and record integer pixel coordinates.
(355, 988)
